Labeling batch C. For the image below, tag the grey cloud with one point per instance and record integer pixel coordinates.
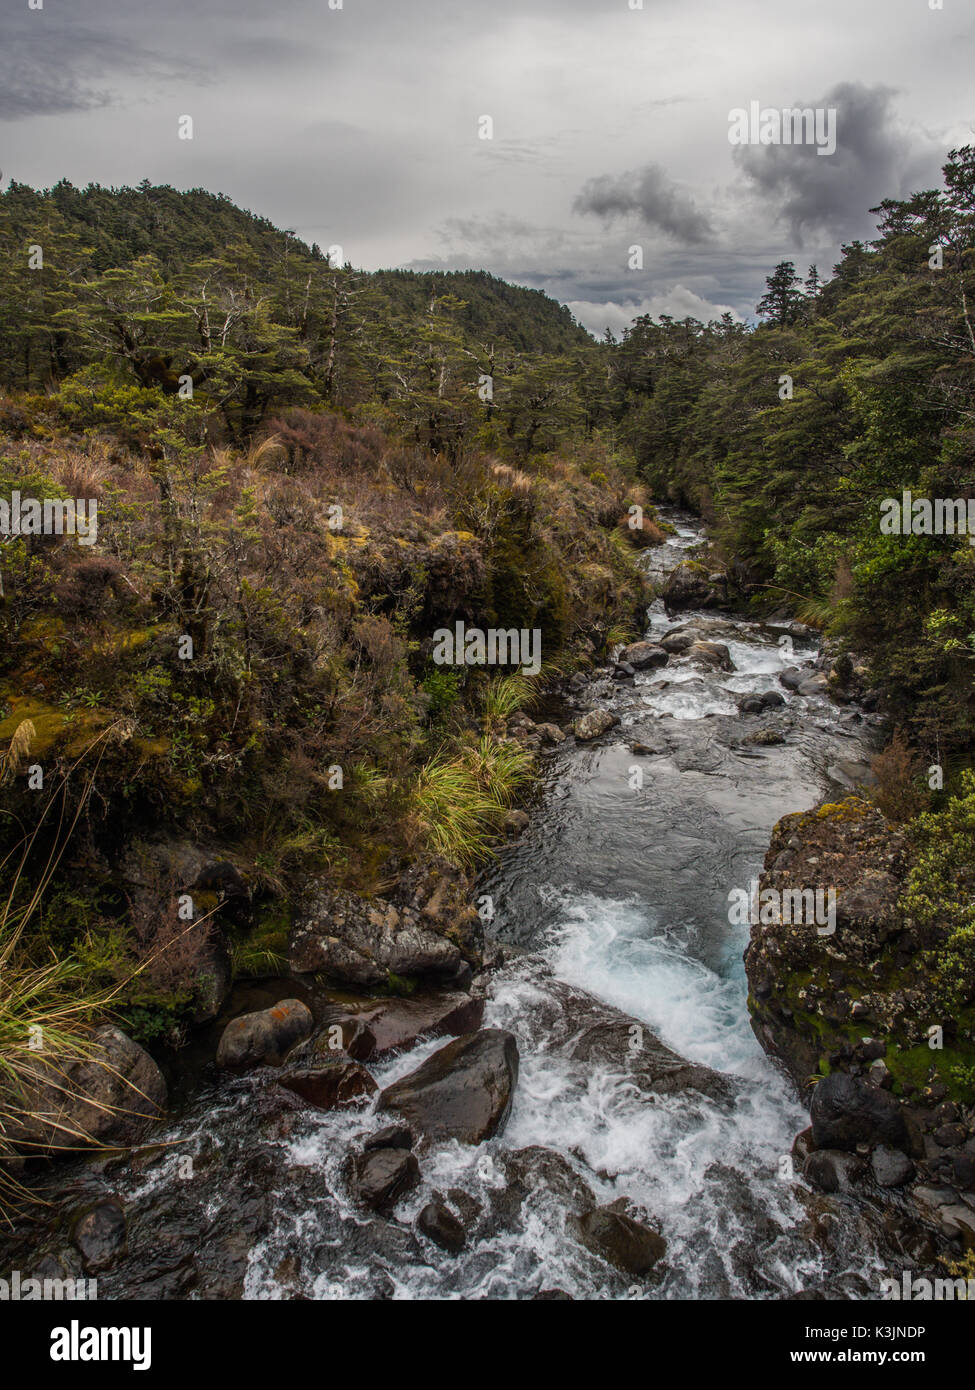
(653, 196)
(51, 63)
(832, 194)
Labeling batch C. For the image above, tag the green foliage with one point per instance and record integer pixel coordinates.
(940, 891)
(789, 437)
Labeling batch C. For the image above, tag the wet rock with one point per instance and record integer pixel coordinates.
(552, 1296)
(331, 1086)
(109, 1097)
(623, 671)
(802, 1146)
(617, 1040)
(676, 642)
(213, 978)
(537, 1170)
(847, 1111)
(643, 656)
(98, 1235)
(957, 1222)
(462, 1092)
(713, 654)
(390, 1137)
(266, 1036)
(440, 1225)
(618, 1239)
(386, 1025)
(361, 942)
(750, 704)
(833, 1170)
(551, 733)
(963, 1171)
(515, 822)
(879, 1075)
(891, 1168)
(948, 1136)
(792, 677)
(594, 724)
(688, 586)
(383, 1176)
(813, 685)
(771, 699)
(765, 738)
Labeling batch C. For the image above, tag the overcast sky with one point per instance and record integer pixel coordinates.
(359, 127)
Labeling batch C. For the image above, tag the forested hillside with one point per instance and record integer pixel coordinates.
(306, 470)
(788, 438)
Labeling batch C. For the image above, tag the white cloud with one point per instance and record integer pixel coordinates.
(678, 302)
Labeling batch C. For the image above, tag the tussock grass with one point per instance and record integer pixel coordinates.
(48, 1004)
(460, 799)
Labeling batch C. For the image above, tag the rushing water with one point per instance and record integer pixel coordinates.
(616, 895)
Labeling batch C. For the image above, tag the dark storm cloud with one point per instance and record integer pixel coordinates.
(652, 195)
(873, 159)
(54, 63)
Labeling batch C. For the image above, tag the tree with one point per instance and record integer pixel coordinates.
(782, 302)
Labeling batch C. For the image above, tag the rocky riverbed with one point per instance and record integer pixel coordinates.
(572, 1102)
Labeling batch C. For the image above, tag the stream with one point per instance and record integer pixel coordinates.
(614, 898)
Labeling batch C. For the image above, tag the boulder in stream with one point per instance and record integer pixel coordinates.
(617, 1238)
(594, 724)
(383, 1176)
(108, 1097)
(266, 1036)
(383, 1025)
(642, 656)
(438, 1223)
(463, 1092)
(330, 1085)
(847, 1111)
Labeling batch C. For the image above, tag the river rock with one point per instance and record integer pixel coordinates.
(618, 1040)
(440, 1225)
(551, 733)
(832, 1170)
(390, 1137)
(266, 1036)
(688, 586)
(381, 1026)
(594, 724)
(330, 1086)
(515, 822)
(618, 1239)
(110, 1097)
(98, 1234)
(537, 1169)
(792, 677)
(813, 685)
(847, 1111)
(679, 641)
(714, 654)
(383, 1176)
(361, 942)
(643, 656)
(463, 1092)
(891, 1168)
